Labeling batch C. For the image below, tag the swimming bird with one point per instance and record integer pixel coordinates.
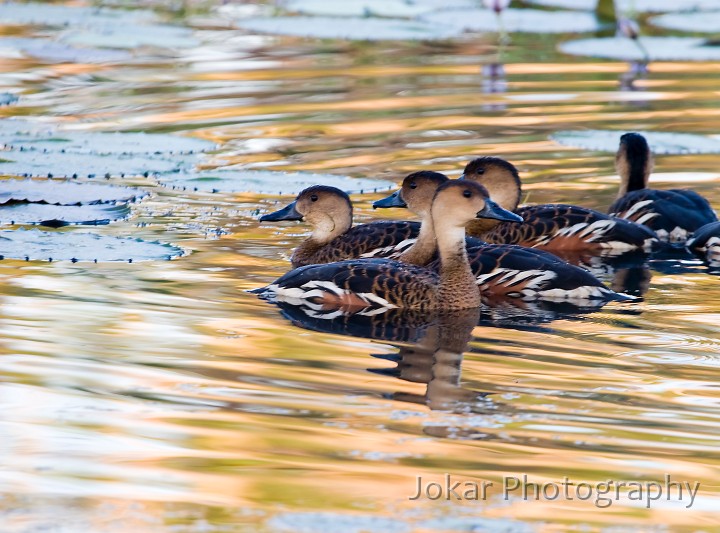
(500, 270)
(705, 243)
(329, 211)
(673, 214)
(552, 227)
(371, 286)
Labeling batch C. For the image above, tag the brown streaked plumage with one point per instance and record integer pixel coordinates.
(386, 284)
(416, 193)
(674, 214)
(550, 226)
(500, 270)
(329, 211)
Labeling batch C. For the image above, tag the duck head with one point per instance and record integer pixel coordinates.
(634, 163)
(416, 193)
(502, 181)
(327, 209)
(458, 202)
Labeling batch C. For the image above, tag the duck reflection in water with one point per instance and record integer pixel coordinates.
(430, 346)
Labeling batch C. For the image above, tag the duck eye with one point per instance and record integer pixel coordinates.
(467, 194)
(313, 197)
(413, 185)
(480, 171)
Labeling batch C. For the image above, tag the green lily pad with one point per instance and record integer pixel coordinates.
(692, 22)
(132, 36)
(365, 8)
(515, 20)
(47, 14)
(659, 49)
(43, 245)
(660, 142)
(56, 192)
(105, 143)
(267, 181)
(56, 163)
(651, 6)
(352, 28)
(62, 215)
(56, 52)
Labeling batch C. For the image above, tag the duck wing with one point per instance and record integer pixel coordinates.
(356, 286)
(569, 227)
(531, 274)
(672, 214)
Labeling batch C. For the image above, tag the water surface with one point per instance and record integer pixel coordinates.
(160, 396)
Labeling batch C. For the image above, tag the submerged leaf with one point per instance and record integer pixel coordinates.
(353, 28)
(659, 49)
(660, 142)
(43, 245)
(7, 99)
(267, 181)
(64, 192)
(62, 215)
(516, 20)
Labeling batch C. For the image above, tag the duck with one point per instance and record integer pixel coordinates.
(330, 213)
(551, 227)
(500, 270)
(705, 243)
(674, 214)
(373, 285)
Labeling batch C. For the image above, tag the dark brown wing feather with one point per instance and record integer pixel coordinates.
(567, 227)
(380, 239)
(359, 284)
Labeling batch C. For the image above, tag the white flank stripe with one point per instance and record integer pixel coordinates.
(646, 217)
(635, 208)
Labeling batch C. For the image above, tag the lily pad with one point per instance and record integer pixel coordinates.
(353, 28)
(60, 15)
(516, 20)
(64, 192)
(7, 99)
(62, 215)
(107, 143)
(43, 245)
(660, 142)
(365, 8)
(50, 163)
(692, 22)
(659, 49)
(132, 36)
(651, 6)
(53, 51)
(267, 181)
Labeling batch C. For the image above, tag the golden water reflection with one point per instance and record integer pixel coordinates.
(162, 397)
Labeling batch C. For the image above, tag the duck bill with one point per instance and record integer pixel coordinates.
(493, 210)
(394, 200)
(286, 213)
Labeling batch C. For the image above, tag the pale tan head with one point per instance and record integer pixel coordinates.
(416, 192)
(633, 162)
(502, 182)
(458, 202)
(500, 178)
(327, 209)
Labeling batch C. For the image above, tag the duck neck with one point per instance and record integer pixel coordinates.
(325, 229)
(634, 169)
(458, 287)
(424, 248)
(480, 226)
